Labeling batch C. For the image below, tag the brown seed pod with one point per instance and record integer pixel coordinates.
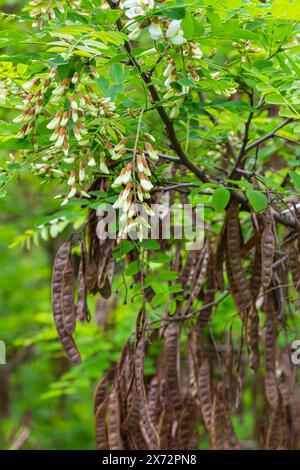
(208, 299)
(267, 248)
(217, 424)
(82, 311)
(105, 290)
(240, 286)
(271, 388)
(136, 438)
(199, 279)
(91, 277)
(189, 269)
(234, 290)
(154, 405)
(150, 431)
(101, 389)
(103, 261)
(61, 261)
(294, 264)
(205, 393)
(220, 256)
(101, 427)
(187, 422)
(253, 338)
(256, 270)
(273, 434)
(171, 365)
(94, 243)
(67, 297)
(114, 421)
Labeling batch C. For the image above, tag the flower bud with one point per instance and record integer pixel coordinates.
(73, 192)
(65, 147)
(149, 136)
(60, 7)
(61, 138)
(75, 78)
(91, 161)
(103, 167)
(81, 172)
(152, 154)
(145, 182)
(55, 122)
(72, 178)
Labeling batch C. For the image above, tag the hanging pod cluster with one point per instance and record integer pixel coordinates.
(197, 390)
(95, 274)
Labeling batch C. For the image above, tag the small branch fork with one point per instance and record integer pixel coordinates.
(175, 144)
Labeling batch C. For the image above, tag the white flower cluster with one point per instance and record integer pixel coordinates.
(70, 120)
(192, 52)
(43, 11)
(33, 103)
(136, 8)
(135, 176)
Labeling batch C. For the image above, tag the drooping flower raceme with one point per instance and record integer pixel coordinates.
(135, 176)
(72, 106)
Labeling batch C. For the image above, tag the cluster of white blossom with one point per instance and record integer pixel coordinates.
(42, 11)
(137, 8)
(192, 53)
(76, 103)
(135, 176)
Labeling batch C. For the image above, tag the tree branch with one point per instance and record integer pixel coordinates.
(269, 135)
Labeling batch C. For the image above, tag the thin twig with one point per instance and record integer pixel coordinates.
(267, 136)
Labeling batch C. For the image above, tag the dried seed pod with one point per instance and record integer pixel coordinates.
(273, 431)
(91, 277)
(132, 412)
(205, 393)
(101, 427)
(294, 263)
(60, 263)
(105, 290)
(114, 421)
(154, 406)
(234, 290)
(186, 425)
(150, 431)
(217, 425)
(82, 311)
(271, 388)
(94, 245)
(220, 255)
(241, 291)
(171, 365)
(67, 297)
(267, 248)
(253, 338)
(101, 389)
(208, 299)
(189, 269)
(256, 270)
(106, 266)
(200, 278)
(136, 438)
